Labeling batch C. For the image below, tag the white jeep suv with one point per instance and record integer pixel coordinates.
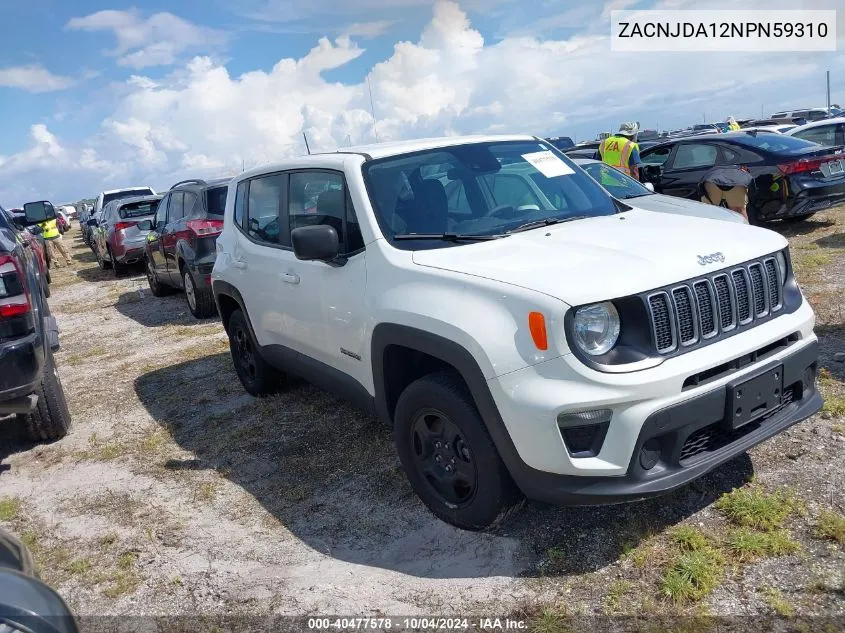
(522, 332)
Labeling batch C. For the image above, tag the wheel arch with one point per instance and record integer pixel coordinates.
(393, 345)
(229, 299)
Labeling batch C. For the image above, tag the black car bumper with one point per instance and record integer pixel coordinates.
(691, 439)
(201, 270)
(807, 195)
(23, 361)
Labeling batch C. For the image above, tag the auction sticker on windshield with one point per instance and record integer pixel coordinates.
(548, 164)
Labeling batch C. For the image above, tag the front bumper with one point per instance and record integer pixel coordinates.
(526, 403)
(692, 442)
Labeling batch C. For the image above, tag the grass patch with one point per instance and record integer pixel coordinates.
(549, 620)
(10, 507)
(124, 579)
(746, 545)
(692, 575)
(834, 407)
(613, 600)
(696, 569)
(753, 508)
(831, 526)
(812, 260)
(779, 604)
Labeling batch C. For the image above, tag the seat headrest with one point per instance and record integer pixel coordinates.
(330, 203)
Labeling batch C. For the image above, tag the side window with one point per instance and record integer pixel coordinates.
(694, 155)
(317, 197)
(511, 190)
(262, 212)
(658, 156)
(822, 134)
(160, 218)
(188, 204)
(175, 209)
(240, 203)
(729, 157)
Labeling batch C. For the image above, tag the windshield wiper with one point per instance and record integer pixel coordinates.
(639, 195)
(546, 222)
(449, 237)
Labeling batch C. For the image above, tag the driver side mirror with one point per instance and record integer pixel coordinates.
(315, 243)
(36, 212)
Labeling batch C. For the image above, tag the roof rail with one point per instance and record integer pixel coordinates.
(195, 181)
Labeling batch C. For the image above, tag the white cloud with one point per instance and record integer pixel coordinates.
(33, 78)
(155, 41)
(202, 120)
(368, 29)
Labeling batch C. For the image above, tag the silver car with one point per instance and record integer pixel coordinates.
(119, 242)
(633, 192)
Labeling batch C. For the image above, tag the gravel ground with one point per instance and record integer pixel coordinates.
(177, 493)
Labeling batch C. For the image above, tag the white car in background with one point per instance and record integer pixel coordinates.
(777, 129)
(828, 132)
(642, 196)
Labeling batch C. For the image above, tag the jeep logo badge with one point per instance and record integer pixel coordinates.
(710, 259)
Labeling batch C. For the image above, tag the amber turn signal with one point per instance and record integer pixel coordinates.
(537, 327)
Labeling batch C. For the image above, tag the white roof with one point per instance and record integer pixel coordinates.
(127, 189)
(393, 148)
(816, 124)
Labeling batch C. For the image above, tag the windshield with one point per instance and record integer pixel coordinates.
(122, 195)
(478, 189)
(777, 143)
(138, 209)
(619, 185)
(216, 199)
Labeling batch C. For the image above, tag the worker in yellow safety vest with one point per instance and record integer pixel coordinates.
(53, 239)
(733, 126)
(621, 150)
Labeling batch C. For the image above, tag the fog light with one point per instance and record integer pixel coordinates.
(583, 433)
(650, 454)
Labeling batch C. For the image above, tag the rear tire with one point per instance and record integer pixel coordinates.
(119, 269)
(258, 377)
(200, 300)
(103, 264)
(51, 418)
(437, 428)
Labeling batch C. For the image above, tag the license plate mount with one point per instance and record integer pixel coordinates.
(754, 397)
(835, 167)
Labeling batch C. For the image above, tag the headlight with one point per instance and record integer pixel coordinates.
(780, 258)
(596, 328)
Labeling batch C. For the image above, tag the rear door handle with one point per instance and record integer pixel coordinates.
(290, 278)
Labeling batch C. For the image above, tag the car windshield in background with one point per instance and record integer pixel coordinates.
(618, 184)
(122, 195)
(777, 143)
(479, 189)
(216, 199)
(138, 209)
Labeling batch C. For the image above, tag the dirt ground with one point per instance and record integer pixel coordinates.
(177, 493)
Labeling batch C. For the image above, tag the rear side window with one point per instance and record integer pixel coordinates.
(693, 155)
(822, 134)
(216, 200)
(240, 203)
(175, 210)
(262, 211)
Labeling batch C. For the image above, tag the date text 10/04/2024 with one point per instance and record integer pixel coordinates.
(417, 624)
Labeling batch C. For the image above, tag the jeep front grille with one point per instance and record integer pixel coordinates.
(687, 314)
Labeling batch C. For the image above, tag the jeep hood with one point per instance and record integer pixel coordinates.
(606, 257)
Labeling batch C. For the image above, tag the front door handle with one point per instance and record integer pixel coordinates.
(290, 278)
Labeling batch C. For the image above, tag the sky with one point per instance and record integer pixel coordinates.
(97, 95)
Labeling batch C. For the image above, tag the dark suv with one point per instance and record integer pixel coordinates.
(181, 245)
(30, 388)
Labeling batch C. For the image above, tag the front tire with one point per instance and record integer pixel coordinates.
(448, 455)
(200, 300)
(257, 376)
(51, 418)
